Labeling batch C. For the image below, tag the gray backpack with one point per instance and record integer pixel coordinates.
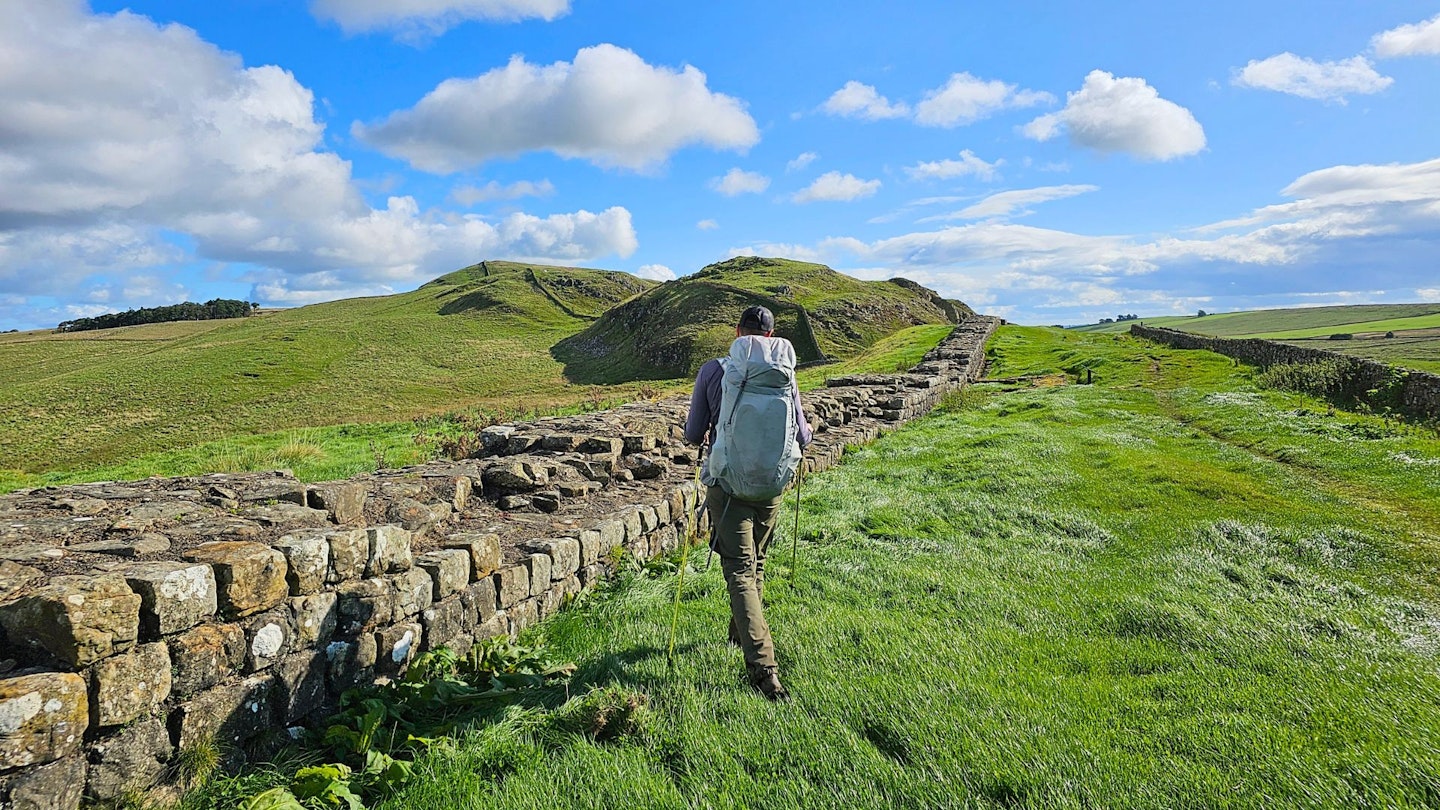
(755, 453)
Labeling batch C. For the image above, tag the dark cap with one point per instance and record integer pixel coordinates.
(758, 319)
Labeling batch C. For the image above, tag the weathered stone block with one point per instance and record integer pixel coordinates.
(307, 553)
(560, 442)
(349, 554)
(602, 445)
(227, 714)
(57, 786)
(396, 646)
(523, 615)
(539, 565)
(649, 521)
(634, 525)
(637, 443)
(389, 551)
(76, 620)
(512, 583)
(511, 475)
(513, 503)
(414, 591)
(449, 569)
(479, 600)
(205, 656)
(597, 470)
(343, 500)
(564, 556)
(174, 596)
(662, 512)
(250, 576)
(43, 717)
(15, 578)
(364, 605)
(498, 625)
(268, 637)
(315, 617)
(552, 600)
(300, 685)
(443, 621)
(589, 542)
(612, 535)
(548, 501)
(521, 443)
(484, 551)
(130, 685)
(590, 575)
(287, 515)
(126, 545)
(130, 759)
(277, 490)
(415, 516)
(350, 663)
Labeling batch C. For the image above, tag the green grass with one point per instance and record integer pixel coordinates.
(1416, 343)
(474, 338)
(1166, 589)
(330, 452)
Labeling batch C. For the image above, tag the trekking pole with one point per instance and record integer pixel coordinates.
(795, 538)
(684, 561)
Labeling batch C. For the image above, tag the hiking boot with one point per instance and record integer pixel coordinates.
(766, 681)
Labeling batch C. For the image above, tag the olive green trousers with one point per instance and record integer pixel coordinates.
(742, 532)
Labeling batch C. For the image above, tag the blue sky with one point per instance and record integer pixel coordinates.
(1049, 162)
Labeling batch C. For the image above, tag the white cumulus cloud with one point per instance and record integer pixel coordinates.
(120, 133)
(967, 165)
(836, 187)
(801, 161)
(655, 272)
(608, 106)
(965, 99)
(420, 18)
(1306, 78)
(1008, 203)
(1428, 293)
(856, 100)
(1127, 115)
(1415, 39)
(494, 190)
(707, 224)
(738, 181)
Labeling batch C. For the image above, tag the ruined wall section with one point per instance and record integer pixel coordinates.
(143, 618)
(1419, 393)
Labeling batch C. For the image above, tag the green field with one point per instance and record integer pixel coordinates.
(1416, 343)
(331, 389)
(1166, 589)
(330, 452)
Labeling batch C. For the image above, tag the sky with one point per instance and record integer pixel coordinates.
(1049, 162)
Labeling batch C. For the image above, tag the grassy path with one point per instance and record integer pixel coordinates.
(1078, 596)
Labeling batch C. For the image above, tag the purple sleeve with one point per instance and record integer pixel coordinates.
(802, 425)
(702, 399)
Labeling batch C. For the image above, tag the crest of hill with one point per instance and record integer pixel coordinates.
(669, 331)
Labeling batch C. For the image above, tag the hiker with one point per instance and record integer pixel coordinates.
(753, 454)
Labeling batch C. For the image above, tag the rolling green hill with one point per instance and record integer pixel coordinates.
(671, 330)
(478, 336)
(1414, 329)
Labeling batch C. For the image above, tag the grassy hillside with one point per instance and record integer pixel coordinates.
(670, 331)
(1416, 328)
(479, 336)
(1166, 589)
(1271, 322)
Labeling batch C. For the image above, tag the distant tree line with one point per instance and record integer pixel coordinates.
(1119, 318)
(189, 311)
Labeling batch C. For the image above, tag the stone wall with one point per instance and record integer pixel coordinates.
(1419, 394)
(143, 618)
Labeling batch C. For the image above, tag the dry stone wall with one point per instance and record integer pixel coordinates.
(143, 618)
(1418, 394)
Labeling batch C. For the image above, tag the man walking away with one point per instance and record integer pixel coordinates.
(746, 406)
